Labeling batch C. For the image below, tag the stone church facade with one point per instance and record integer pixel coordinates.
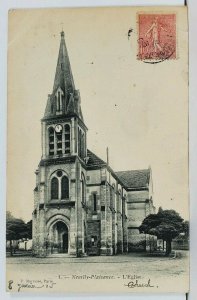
(81, 206)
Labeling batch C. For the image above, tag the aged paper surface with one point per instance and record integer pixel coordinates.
(131, 68)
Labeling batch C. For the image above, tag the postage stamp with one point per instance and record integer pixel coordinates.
(156, 37)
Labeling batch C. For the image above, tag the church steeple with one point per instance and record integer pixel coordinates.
(63, 76)
(64, 99)
(63, 128)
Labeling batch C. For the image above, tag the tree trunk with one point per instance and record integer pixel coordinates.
(150, 244)
(11, 252)
(168, 247)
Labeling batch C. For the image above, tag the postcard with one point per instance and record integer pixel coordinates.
(97, 161)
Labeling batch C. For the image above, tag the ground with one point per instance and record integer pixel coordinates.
(132, 272)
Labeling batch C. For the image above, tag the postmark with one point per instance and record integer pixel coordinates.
(156, 37)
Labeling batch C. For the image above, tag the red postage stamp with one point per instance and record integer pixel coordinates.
(157, 37)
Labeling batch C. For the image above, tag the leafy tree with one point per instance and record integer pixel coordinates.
(15, 229)
(186, 228)
(166, 225)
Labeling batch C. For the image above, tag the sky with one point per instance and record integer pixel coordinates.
(139, 111)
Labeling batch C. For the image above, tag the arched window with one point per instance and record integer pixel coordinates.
(94, 202)
(54, 188)
(59, 142)
(51, 141)
(65, 188)
(67, 138)
(58, 101)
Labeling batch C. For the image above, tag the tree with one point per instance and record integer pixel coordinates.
(15, 229)
(166, 225)
(186, 228)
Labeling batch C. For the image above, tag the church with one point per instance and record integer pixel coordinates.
(82, 206)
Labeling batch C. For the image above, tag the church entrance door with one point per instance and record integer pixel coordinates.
(60, 238)
(65, 242)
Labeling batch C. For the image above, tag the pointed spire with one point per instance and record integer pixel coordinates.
(64, 94)
(63, 76)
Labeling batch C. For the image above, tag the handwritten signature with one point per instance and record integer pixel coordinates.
(30, 286)
(137, 284)
(35, 284)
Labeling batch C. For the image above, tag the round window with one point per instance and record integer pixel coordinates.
(59, 173)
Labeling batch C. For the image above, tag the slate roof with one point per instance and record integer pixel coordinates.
(94, 160)
(63, 75)
(134, 179)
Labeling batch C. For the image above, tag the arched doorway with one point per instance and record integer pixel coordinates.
(59, 238)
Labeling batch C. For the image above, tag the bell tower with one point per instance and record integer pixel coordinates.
(63, 128)
(59, 195)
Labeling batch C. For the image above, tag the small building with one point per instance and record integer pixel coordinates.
(82, 206)
(25, 245)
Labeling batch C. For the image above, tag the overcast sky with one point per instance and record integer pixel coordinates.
(138, 110)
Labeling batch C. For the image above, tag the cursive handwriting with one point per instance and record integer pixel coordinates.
(137, 283)
(30, 286)
(35, 284)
